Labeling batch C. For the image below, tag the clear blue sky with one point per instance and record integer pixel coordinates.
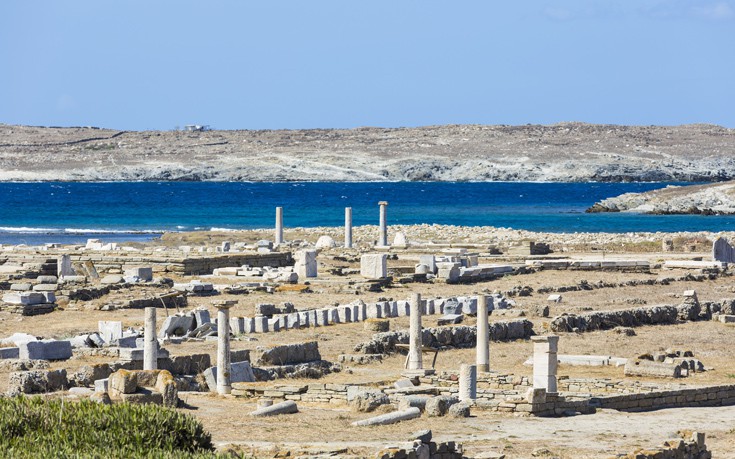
(236, 64)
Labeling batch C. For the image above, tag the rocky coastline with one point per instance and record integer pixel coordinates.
(564, 152)
(709, 199)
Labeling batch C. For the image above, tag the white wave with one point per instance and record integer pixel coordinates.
(223, 229)
(24, 229)
(109, 231)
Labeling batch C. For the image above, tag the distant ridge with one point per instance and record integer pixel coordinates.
(564, 152)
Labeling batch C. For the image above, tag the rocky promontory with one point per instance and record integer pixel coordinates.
(565, 152)
(709, 199)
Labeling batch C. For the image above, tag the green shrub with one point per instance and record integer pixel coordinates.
(38, 427)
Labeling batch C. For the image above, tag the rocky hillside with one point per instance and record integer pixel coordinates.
(562, 152)
(711, 199)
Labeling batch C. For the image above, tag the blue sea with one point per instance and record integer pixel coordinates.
(36, 213)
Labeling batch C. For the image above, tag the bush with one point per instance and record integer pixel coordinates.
(38, 427)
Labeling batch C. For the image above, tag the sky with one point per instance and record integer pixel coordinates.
(236, 64)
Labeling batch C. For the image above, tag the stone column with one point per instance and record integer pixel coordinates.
(223, 346)
(415, 359)
(545, 362)
(483, 335)
(150, 341)
(383, 241)
(348, 227)
(467, 383)
(279, 225)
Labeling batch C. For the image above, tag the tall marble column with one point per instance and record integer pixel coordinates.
(415, 358)
(383, 241)
(224, 368)
(348, 227)
(279, 225)
(483, 335)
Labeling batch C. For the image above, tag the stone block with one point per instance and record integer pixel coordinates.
(237, 325)
(322, 318)
(126, 341)
(64, 267)
(176, 325)
(260, 324)
(122, 382)
(274, 324)
(201, 317)
(374, 266)
(373, 311)
(166, 386)
(304, 318)
(110, 330)
(451, 306)
(25, 298)
(143, 396)
(21, 287)
(47, 279)
(239, 372)
(37, 381)
(45, 350)
(429, 261)
(101, 385)
(651, 368)
(306, 264)
(112, 279)
(344, 314)
(293, 320)
(9, 353)
(242, 355)
(136, 354)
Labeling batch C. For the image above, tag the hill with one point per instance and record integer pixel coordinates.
(568, 152)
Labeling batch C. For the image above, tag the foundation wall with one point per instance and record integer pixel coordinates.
(117, 261)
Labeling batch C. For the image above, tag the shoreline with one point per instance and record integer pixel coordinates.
(420, 234)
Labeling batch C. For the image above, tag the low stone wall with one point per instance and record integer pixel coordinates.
(461, 336)
(162, 262)
(584, 285)
(585, 387)
(432, 450)
(290, 354)
(654, 315)
(679, 448)
(490, 381)
(679, 398)
(335, 394)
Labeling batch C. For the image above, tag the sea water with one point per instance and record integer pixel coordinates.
(34, 213)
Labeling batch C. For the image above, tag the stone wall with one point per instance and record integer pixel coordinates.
(335, 394)
(162, 262)
(677, 398)
(693, 447)
(461, 336)
(584, 285)
(289, 354)
(654, 315)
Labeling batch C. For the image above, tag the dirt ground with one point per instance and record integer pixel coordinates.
(327, 428)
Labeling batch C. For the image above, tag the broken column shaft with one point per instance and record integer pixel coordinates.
(383, 241)
(224, 386)
(483, 335)
(279, 225)
(348, 227)
(150, 341)
(415, 360)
